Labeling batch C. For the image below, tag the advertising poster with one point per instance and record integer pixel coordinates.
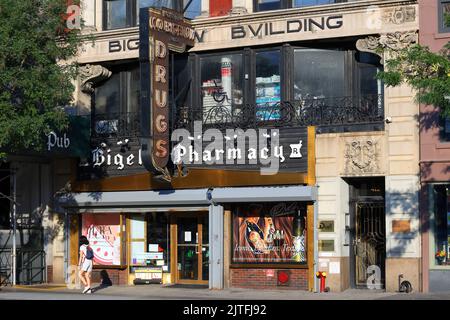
(103, 233)
(264, 234)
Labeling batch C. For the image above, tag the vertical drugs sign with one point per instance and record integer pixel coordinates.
(161, 31)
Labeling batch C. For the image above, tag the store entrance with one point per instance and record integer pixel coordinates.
(368, 233)
(191, 248)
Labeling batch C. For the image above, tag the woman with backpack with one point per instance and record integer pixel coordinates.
(85, 263)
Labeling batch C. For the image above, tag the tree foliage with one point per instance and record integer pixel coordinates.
(35, 76)
(425, 71)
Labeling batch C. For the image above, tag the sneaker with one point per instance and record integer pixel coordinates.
(86, 290)
(89, 291)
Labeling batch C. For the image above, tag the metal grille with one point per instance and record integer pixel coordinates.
(31, 267)
(370, 240)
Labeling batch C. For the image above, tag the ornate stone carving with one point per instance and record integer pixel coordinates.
(387, 42)
(361, 156)
(400, 15)
(92, 74)
(238, 11)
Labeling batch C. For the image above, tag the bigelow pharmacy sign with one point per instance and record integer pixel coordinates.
(166, 30)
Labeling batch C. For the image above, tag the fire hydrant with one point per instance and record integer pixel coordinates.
(322, 276)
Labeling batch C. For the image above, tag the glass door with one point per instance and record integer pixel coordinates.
(192, 249)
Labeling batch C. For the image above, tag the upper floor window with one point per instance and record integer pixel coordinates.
(265, 5)
(445, 129)
(444, 12)
(117, 101)
(125, 13)
(306, 3)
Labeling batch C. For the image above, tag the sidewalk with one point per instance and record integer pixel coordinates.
(157, 292)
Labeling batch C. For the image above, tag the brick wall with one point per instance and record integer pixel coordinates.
(117, 276)
(263, 279)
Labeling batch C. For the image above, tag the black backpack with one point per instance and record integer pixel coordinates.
(89, 253)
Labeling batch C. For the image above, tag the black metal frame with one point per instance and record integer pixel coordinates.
(337, 121)
(126, 123)
(355, 198)
(132, 13)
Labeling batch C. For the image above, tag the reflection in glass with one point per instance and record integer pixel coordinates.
(107, 96)
(442, 224)
(187, 262)
(116, 14)
(264, 5)
(268, 85)
(318, 74)
(269, 233)
(221, 86)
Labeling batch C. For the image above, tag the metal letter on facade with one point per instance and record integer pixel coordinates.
(165, 30)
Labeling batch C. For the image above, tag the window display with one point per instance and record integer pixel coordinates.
(268, 85)
(103, 233)
(442, 224)
(268, 233)
(149, 240)
(221, 86)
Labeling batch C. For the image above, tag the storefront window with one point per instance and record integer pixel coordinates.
(221, 86)
(269, 233)
(103, 231)
(319, 74)
(442, 224)
(268, 85)
(150, 240)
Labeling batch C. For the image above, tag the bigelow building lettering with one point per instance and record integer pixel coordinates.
(290, 26)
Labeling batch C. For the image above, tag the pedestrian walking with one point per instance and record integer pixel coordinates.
(85, 263)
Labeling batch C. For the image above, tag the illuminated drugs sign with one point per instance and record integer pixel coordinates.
(166, 30)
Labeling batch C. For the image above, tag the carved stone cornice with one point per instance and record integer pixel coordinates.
(387, 42)
(91, 75)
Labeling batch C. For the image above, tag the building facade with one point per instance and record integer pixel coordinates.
(345, 199)
(434, 161)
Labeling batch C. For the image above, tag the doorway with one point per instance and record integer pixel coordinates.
(191, 248)
(368, 233)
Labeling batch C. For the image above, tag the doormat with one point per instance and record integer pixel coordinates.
(187, 286)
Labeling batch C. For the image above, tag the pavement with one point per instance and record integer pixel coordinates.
(158, 292)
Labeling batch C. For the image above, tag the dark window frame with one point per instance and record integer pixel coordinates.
(441, 27)
(351, 73)
(132, 14)
(443, 134)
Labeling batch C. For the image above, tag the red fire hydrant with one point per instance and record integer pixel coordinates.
(322, 275)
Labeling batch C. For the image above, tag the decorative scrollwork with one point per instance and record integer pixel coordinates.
(304, 112)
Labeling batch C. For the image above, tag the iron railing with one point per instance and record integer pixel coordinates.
(115, 125)
(359, 110)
